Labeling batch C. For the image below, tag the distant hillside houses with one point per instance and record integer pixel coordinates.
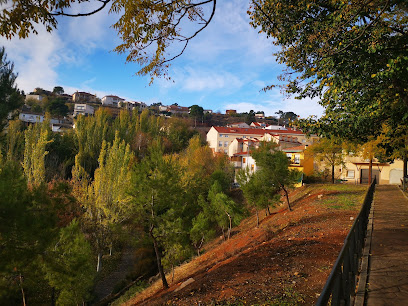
(239, 139)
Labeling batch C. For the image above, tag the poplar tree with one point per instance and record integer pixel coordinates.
(107, 201)
(37, 137)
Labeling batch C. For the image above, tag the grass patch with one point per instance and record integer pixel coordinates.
(348, 197)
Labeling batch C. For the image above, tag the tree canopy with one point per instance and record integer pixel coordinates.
(10, 98)
(147, 28)
(352, 55)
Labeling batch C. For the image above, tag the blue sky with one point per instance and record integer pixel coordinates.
(224, 67)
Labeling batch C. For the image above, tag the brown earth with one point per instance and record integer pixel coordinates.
(287, 259)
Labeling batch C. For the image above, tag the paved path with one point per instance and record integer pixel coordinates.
(388, 274)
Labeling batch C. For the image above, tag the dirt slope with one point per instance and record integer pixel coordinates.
(287, 259)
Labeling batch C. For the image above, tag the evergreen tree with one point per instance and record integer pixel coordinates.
(10, 97)
(157, 197)
(274, 168)
(68, 266)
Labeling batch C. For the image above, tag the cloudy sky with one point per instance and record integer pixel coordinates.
(224, 67)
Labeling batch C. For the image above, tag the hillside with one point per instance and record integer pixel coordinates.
(287, 259)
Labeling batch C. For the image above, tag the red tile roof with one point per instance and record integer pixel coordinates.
(292, 149)
(241, 154)
(253, 131)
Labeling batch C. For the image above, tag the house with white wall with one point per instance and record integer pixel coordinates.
(34, 97)
(83, 109)
(112, 100)
(355, 171)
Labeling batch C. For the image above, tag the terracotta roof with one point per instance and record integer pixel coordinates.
(294, 149)
(179, 108)
(113, 96)
(241, 154)
(242, 131)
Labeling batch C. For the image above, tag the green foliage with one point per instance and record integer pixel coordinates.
(112, 180)
(157, 196)
(329, 151)
(36, 140)
(256, 190)
(61, 155)
(68, 266)
(58, 90)
(14, 141)
(90, 133)
(57, 107)
(196, 111)
(10, 97)
(353, 56)
(274, 168)
(145, 22)
(28, 219)
(250, 117)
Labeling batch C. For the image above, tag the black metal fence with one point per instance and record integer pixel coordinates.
(341, 284)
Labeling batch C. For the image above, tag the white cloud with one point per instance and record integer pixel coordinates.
(230, 38)
(210, 80)
(195, 79)
(35, 59)
(304, 108)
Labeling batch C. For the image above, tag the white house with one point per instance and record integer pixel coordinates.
(30, 117)
(83, 109)
(34, 97)
(112, 100)
(220, 138)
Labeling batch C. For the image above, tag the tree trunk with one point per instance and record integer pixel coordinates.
(230, 225)
(332, 172)
(370, 171)
(269, 212)
(404, 172)
(158, 259)
(257, 218)
(99, 263)
(172, 276)
(287, 197)
(22, 290)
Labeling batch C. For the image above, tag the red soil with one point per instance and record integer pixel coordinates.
(291, 253)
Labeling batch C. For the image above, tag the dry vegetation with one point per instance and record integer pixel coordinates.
(283, 262)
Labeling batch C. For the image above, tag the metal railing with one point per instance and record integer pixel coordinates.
(341, 284)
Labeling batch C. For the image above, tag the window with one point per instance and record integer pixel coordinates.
(244, 160)
(221, 135)
(220, 143)
(350, 173)
(297, 159)
(226, 144)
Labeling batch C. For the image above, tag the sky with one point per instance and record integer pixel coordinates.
(224, 67)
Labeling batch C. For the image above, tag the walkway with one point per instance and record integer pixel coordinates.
(388, 274)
